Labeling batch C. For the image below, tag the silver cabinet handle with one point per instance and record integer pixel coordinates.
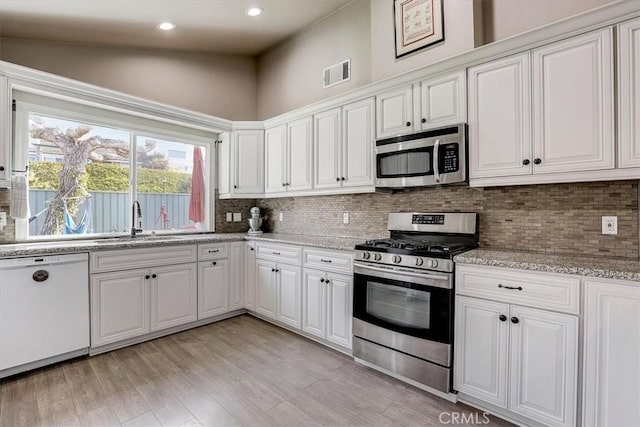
(436, 152)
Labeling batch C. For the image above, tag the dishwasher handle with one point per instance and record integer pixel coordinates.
(40, 276)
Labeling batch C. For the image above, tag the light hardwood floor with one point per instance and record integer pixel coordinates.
(240, 371)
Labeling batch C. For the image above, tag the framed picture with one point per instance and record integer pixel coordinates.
(418, 24)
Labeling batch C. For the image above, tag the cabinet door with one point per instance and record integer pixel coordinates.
(358, 160)
(249, 162)
(299, 161)
(500, 118)
(236, 275)
(481, 343)
(119, 306)
(174, 295)
(266, 288)
(275, 154)
(394, 112)
(223, 151)
(339, 308)
(213, 288)
(327, 144)
(573, 104)
(543, 366)
(443, 100)
(612, 353)
(629, 93)
(5, 132)
(289, 295)
(250, 276)
(313, 303)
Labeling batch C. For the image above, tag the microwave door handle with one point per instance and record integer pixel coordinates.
(436, 170)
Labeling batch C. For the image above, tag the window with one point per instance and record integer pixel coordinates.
(87, 166)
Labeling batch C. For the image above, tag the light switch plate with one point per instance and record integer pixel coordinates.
(345, 218)
(229, 217)
(281, 216)
(237, 217)
(609, 225)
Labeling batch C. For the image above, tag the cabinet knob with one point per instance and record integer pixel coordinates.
(515, 320)
(537, 161)
(408, 124)
(147, 277)
(424, 120)
(235, 186)
(526, 162)
(338, 179)
(342, 179)
(214, 263)
(283, 184)
(153, 276)
(502, 318)
(322, 280)
(288, 184)
(1, 168)
(326, 281)
(251, 249)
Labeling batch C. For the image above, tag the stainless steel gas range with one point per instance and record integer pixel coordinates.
(403, 296)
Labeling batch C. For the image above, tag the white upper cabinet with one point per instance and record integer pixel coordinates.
(611, 381)
(299, 162)
(629, 93)
(275, 152)
(573, 104)
(223, 153)
(394, 112)
(248, 162)
(343, 147)
(288, 161)
(443, 101)
(327, 147)
(358, 160)
(5, 132)
(500, 118)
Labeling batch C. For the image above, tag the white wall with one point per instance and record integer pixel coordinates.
(220, 85)
(290, 74)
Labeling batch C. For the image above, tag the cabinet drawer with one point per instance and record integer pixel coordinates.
(281, 253)
(328, 260)
(126, 259)
(539, 290)
(213, 251)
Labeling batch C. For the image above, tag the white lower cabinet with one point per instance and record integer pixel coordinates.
(327, 306)
(119, 306)
(173, 295)
(278, 288)
(236, 276)
(519, 360)
(213, 288)
(266, 288)
(611, 382)
(135, 302)
(250, 276)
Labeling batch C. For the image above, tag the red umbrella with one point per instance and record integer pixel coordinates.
(196, 201)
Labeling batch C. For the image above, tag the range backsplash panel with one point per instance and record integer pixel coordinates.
(553, 218)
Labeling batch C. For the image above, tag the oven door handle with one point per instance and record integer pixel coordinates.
(427, 279)
(436, 168)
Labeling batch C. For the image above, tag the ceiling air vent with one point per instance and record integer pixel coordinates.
(336, 74)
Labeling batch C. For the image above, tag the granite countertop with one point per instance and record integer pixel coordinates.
(74, 246)
(607, 268)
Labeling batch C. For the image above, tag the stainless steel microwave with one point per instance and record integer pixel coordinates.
(434, 157)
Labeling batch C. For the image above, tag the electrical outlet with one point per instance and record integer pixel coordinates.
(609, 225)
(229, 217)
(237, 217)
(345, 218)
(281, 216)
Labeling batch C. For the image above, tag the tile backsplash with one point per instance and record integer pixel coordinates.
(552, 218)
(6, 235)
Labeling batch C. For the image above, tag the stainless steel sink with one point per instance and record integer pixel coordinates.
(127, 239)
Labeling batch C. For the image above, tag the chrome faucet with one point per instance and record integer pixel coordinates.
(136, 213)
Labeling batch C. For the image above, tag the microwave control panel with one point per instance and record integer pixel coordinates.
(425, 219)
(449, 158)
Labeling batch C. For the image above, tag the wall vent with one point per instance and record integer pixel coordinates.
(336, 74)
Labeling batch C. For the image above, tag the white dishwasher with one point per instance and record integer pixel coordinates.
(44, 311)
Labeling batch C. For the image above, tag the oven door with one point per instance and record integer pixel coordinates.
(419, 304)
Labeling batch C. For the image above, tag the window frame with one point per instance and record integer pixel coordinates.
(52, 107)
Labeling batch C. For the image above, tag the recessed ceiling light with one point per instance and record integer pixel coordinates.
(254, 11)
(166, 26)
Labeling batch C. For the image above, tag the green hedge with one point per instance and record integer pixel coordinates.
(110, 177)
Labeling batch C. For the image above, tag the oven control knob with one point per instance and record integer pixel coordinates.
(377, 257)
(396, 259)
(432, 263)
(419, 261)
(366, 255)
